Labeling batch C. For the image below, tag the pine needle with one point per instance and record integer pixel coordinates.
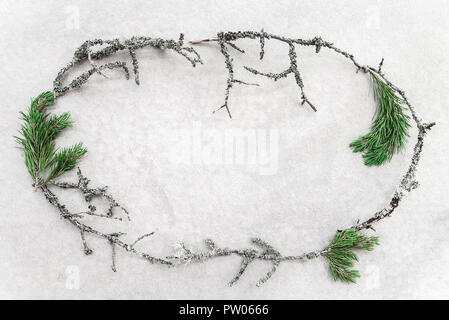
(341, 256)
(389, 129)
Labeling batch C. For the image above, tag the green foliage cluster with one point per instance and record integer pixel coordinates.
(341, 256)
(389, 129)
(38, 133)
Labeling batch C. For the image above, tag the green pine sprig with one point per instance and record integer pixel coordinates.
(341, 256)
(66, 159)
(38, 133)
(389, 129)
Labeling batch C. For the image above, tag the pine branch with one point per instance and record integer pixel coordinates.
(389, 129)
(38, 134)
(341, 256)
(66, 160)
(44, 100)
(59, 123)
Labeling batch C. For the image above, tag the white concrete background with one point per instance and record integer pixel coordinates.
(137, 137)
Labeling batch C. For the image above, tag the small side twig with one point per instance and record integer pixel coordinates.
(379, 69)
(87, 250)
(141, 238)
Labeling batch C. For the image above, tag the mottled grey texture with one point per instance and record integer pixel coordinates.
(319, 185)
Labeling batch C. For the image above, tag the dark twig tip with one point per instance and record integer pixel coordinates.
(379, 69)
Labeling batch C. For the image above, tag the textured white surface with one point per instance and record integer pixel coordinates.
(138, 141)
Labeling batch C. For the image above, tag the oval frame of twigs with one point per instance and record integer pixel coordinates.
(339, 253)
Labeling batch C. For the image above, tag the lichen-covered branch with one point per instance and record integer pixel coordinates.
(91, 193)
(226, 39)
(75, 219)
(85, 53)
(292, 69)
(266, 252)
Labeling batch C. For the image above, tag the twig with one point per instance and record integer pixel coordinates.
(87, 250)
(141, 238)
